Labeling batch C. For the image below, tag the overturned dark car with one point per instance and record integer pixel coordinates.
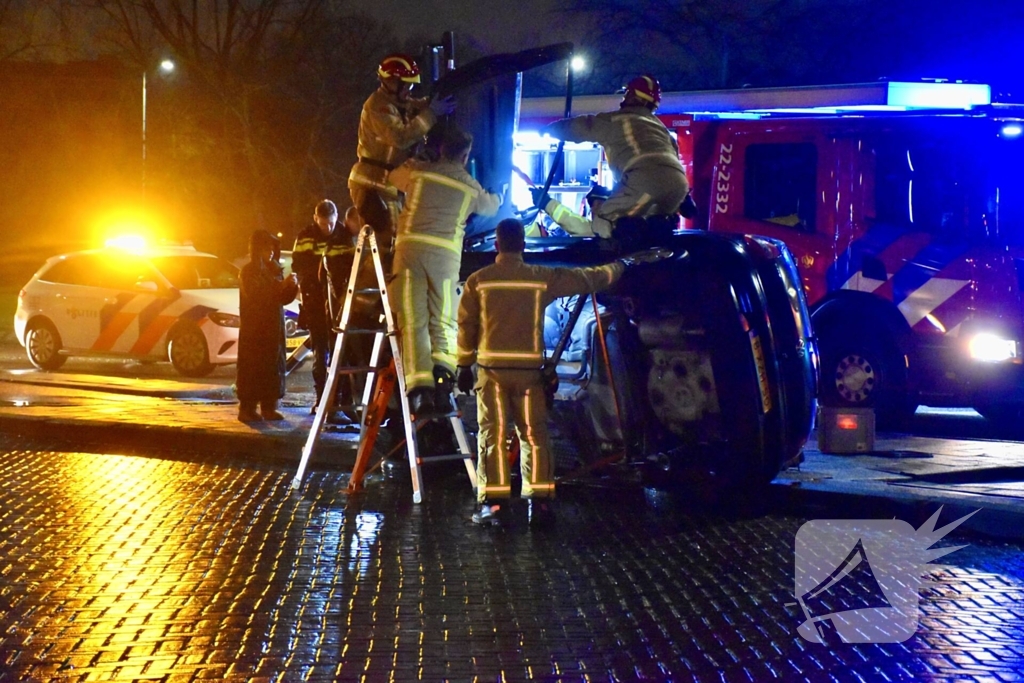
(702, 362)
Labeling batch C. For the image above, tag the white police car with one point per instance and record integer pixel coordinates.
(155, 303)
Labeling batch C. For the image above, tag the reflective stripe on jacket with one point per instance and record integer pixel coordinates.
(388, 130)
(308, 252)
(632, 137)
(439, 197)
(501, 314)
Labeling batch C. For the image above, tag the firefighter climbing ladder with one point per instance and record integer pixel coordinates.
(380, 384)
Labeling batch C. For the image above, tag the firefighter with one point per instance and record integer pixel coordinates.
(566, 218)
(501, 318)
(440, 196)
(641, 153)
(307, 257)
(390, 126)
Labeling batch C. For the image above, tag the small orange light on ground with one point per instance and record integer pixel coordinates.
(845, 421)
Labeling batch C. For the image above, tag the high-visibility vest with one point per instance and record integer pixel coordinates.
(501, 314)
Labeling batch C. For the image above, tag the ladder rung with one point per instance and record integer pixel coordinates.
(357, 330)
(360, 369)
(368, 290)
(439, 458)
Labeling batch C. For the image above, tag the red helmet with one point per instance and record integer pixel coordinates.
(645, 88)
(399, 66)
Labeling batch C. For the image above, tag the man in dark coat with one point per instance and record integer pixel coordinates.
(261, 352)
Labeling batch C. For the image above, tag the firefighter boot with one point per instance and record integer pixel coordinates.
(488, 515)
(542, 513)
(421, 402)
(444, 387)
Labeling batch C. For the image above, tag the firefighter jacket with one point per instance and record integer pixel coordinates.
(632, 137)
(307, 255)
(388, 131)
(501, 315)
(439, 197)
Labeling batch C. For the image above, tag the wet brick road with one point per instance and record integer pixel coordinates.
(118, 567)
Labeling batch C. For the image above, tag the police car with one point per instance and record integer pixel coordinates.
(161, 303)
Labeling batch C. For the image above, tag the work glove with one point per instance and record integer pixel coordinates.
(444, 106)
(646, 256)
(540, 197)
(465, 380)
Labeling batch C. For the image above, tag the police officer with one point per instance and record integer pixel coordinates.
(307, 256)
(440, 196)
(501, 324)
(641, 153)
(390, 125)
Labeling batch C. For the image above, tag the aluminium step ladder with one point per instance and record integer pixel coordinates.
(379, 387)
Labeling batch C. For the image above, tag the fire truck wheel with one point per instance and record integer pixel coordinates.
(860, 371)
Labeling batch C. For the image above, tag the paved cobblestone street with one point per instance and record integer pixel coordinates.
(193, 567)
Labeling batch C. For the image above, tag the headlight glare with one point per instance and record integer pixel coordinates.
(991, 348)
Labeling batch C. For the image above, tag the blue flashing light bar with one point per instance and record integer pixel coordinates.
(852, 98)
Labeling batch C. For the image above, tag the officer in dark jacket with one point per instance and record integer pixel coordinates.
(307, 257)
(261, 353)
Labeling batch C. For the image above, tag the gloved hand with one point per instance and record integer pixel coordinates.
(465, 379)
(646, 256)
(443, 107)
(540, 197)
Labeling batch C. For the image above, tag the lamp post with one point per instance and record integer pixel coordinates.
(166, 66)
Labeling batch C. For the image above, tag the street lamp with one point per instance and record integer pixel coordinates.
(166, 66)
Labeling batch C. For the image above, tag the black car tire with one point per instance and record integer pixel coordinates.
(865, 371)
(188, 351)
(43, 345)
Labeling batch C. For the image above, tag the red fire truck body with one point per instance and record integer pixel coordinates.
(904, 206)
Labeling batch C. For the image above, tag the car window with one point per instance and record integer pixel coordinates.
(110, 271)
(780, 184)
(197, 272)
(72, 270)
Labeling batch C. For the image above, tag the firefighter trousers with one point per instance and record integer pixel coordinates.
(424, 294)
(517, 397)
(378, 209)
(642, 192)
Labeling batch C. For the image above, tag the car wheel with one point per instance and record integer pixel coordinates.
(859, 371)
(188, 351)
(42, 344)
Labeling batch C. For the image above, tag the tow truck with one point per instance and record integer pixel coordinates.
(903, 203)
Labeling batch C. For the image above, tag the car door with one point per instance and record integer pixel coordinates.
(129, 288)
(70, 300)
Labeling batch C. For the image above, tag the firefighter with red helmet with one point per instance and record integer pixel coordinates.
(390, 125)
(641, 153)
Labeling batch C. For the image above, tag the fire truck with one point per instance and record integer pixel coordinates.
(903, 203)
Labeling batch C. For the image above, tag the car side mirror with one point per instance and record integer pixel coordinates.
(146, 286)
